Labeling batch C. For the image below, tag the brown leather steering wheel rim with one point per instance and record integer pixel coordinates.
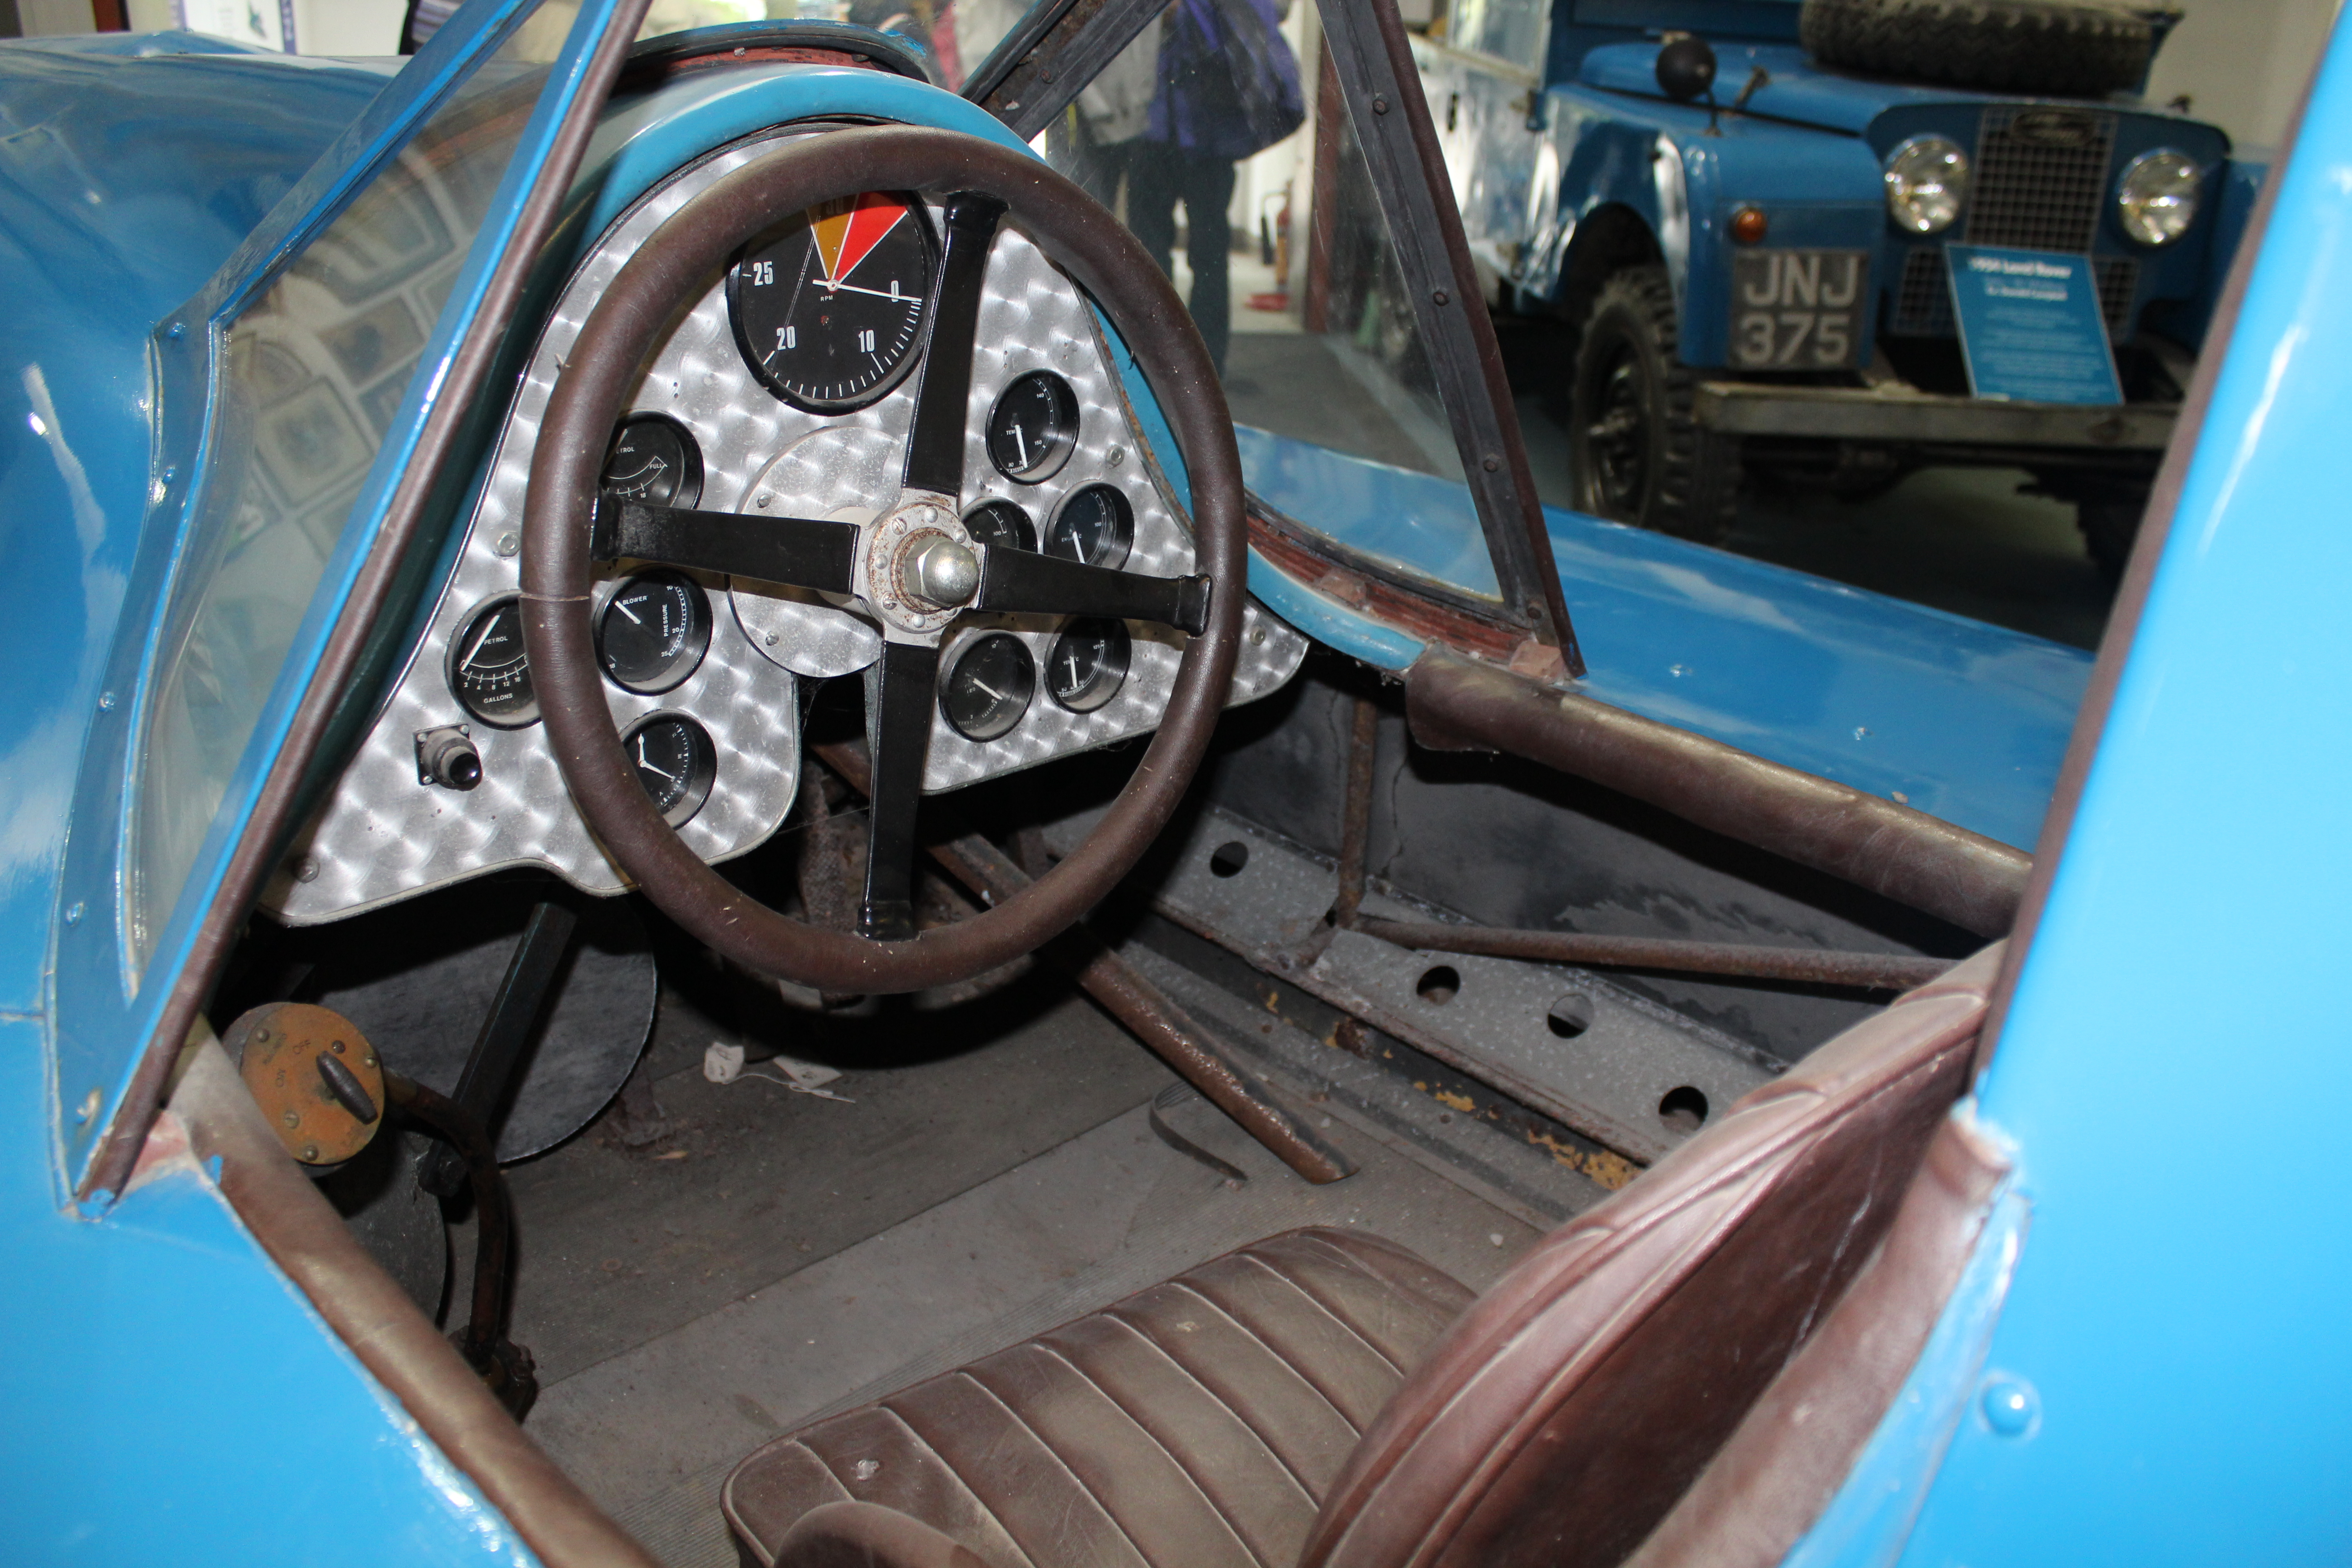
(675, 266)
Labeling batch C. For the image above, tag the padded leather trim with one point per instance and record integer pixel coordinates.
(1199, 1422)
(1560, 1417)
(1771, 1481)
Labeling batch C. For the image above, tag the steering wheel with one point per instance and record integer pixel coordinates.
(914, 568)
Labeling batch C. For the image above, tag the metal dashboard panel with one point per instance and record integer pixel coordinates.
(383, 835)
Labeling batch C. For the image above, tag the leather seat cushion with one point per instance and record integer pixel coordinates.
(1199, 1422)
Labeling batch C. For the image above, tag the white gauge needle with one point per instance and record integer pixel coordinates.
(646, 762)
(856, 289)
(1021, 439)
(984, 685)
(622, 605)
(1073, 662)
(478, 641)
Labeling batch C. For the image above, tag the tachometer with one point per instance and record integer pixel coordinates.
(1088, 665)
(829, 314)
(487, 669)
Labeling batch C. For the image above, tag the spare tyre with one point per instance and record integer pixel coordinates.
(2044, 46)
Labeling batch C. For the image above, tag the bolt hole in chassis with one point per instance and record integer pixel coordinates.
(1421, 872)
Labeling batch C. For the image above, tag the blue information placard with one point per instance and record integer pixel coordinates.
(2031, 328)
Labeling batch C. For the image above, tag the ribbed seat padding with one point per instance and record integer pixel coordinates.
(1200, 1421)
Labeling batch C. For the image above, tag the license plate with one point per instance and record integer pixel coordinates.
(1797, 309)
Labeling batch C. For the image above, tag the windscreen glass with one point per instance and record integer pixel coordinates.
(310, 378)
(1220, 140)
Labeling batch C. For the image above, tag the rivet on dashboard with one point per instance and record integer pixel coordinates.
(292, 1119)
(762, 498)
(306, 869)
(89, 1104)
(74, 913)
(507, 544)
(770, 640)
(106, 701)
(1115, 456)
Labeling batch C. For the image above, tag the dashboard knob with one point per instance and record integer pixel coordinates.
(938, 571)
(447, 757)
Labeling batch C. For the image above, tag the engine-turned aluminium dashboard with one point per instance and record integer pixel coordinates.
(786, 390)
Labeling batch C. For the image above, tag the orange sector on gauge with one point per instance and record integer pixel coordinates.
(848, 232)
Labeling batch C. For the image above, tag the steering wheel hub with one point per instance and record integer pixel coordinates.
(917, 548)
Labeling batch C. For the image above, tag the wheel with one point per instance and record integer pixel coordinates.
(1637, 453)
(2109, 525)
(914, 569)
(1997, 46)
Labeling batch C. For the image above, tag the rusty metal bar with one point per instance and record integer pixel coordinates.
(1147, 1012)
(1869, 971)
(304, 1235)
(1976, 883)
(506, 1366)
(1356, 819)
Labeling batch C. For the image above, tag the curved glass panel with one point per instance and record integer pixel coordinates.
(309, 379)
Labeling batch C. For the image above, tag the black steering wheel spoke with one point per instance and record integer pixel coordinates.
(898, 697)
(801, 551)
(935, 444)
(1016, 581)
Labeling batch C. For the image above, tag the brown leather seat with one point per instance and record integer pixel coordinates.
(1324, 1398)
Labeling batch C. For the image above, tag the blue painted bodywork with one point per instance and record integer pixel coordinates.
(170, 1340)
(1960, 719)
(2182, 1327)
(1534, 160)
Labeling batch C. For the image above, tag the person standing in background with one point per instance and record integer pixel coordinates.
(1228, 88)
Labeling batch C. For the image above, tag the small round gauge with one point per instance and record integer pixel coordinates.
(989, 686)
(654, 630)
(487, 669)
(1033, 427)
(1096, 526)
(829, 311)
(654, 461)
(675, 760)
(1088, 665)
(1002, 522)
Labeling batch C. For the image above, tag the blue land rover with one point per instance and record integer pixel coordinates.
(1733, 217)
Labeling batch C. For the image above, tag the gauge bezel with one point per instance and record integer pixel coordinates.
(921, 210)
(700, 782)
(1125, 534)
(465, 623)
(970, 649)
(1028, 523)
(1069, 411)
(1089, 702)
(689, 490)
(683, 667)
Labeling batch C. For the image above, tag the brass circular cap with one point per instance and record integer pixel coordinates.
(277, 1048)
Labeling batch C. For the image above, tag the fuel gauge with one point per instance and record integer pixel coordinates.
(488, 670)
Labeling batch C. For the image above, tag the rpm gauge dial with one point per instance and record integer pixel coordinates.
(488, 670)
(829, 314)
